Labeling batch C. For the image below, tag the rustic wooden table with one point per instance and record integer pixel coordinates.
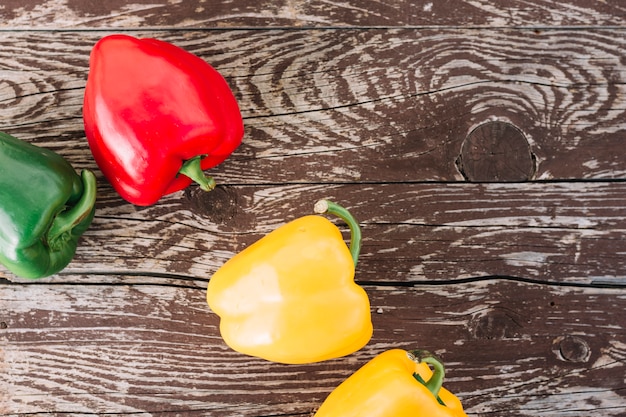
(480, 145)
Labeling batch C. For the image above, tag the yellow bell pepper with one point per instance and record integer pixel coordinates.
(395, 383)
(291, 297)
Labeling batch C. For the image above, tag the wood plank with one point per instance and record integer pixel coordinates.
(156, 349)
(55, 14)
(412, 232)
(326, 106)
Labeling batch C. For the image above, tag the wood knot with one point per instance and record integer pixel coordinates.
(496, 323)
(219, 205)
(571, 349)
(496, 151)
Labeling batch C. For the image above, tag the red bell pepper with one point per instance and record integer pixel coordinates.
(156, 116)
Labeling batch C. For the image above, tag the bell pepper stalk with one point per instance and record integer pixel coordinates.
(156, 116)
(290, 297)
(45, 206)
(396, 383)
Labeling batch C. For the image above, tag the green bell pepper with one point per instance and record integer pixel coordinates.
(45, 206)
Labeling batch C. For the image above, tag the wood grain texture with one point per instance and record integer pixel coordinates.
(519, 285)
(27, 14)
(412, 232)
(327, 102)
(87, 354)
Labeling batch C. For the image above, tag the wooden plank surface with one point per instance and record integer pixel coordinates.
(406, 98)
(54, 14)
(440, 232)
(479, 145)
(85, 355)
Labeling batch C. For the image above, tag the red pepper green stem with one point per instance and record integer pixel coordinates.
(436, 380)
(67, 220)
(326, 206)
(192, 169)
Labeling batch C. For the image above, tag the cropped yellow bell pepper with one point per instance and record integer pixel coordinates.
(291, 297)
(395, 383)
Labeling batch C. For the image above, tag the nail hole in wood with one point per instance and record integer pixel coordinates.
(496, 152)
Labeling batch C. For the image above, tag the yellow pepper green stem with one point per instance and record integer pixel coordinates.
(435, 382)
(192, 169)
(326, 206)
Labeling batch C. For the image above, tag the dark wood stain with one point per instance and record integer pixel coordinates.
(480, 146)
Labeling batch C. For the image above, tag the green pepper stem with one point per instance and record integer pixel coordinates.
(67, 220)
(435, 382)
(326, 206)
(191, 168)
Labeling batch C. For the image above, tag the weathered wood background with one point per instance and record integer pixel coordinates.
(481, 146)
